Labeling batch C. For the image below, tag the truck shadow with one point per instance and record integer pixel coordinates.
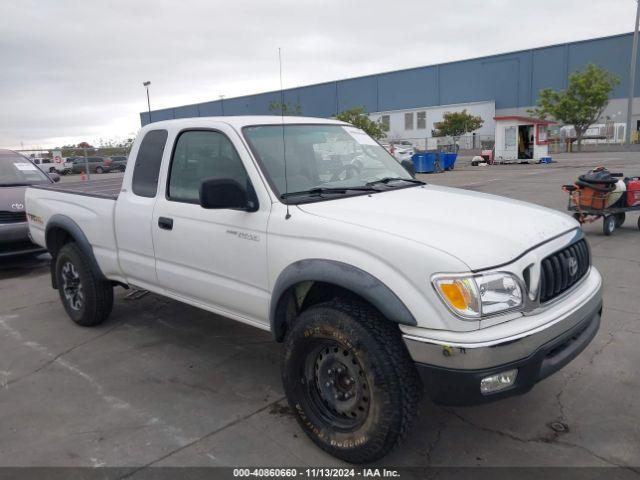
(24, 265)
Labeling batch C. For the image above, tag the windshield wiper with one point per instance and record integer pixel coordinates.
(319, 191)
(387, 180)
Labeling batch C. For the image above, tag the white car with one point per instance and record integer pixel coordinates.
(49, 166)
(400, 152)
(376, 294)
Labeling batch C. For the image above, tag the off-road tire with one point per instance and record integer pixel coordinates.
(97, 294)
(387, 377)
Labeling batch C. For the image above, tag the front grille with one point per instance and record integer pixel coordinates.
(560, 271)
(12, 217)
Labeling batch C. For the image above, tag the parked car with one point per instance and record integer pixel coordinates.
(370, 283)
(96, 165)
(118, 163)
(48, 165)
(16, 173)
(400, 152)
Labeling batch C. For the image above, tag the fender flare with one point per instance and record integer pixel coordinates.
(70, 227)
(343, 275)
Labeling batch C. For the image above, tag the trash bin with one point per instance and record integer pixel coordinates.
(448, 160)
(424, 162)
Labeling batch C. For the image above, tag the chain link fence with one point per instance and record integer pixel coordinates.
(469, 144)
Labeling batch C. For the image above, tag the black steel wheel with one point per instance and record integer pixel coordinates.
(350, 380)
(608, 225)
(86, 297)
(620, 218)
(338, 386)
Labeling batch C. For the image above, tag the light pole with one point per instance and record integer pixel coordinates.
(632, 74)
(222, 104)
(146, 85)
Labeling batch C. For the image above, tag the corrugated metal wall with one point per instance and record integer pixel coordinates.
(512, 80)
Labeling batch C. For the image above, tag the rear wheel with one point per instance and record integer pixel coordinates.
(87, 299)
(349, 379)
(620, 218)
(608, 225)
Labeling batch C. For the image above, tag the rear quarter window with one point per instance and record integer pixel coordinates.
(147, 166)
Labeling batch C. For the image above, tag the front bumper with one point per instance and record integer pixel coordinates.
(452, 373)
(15, 240)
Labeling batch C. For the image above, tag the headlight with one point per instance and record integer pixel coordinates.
(476, 296)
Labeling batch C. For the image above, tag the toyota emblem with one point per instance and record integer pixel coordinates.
(573, 266)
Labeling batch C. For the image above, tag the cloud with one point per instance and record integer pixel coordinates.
(74, 70)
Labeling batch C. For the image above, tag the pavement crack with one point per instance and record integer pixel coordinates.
(552, 439)
(599, 457)
(494, 431)
(435, 443)
(57, 357)
(204, 437)
(572, 376)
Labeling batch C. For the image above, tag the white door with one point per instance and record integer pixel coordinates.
(215, 257)
(134, 212)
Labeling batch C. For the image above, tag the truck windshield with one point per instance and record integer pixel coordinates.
(16, 170)
(324, 160)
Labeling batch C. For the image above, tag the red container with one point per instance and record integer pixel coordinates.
(633, 192)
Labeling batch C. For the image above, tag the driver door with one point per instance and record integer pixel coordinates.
(215, 258)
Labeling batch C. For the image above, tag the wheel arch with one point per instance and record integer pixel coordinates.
(308, 282)
(61, 230)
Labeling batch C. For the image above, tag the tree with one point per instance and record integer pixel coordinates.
(582, 103)
(456, 124)
(284, 108)
(358, 118)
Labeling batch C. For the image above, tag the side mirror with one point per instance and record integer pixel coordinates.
(408, 166)
(222, 193)
(54, 176)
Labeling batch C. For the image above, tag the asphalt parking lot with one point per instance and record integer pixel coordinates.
(165, 384)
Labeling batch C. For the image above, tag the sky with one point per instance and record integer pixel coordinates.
(72, 70)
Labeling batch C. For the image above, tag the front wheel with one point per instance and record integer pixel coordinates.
(350, 380)
(87, 299)
(608, 225)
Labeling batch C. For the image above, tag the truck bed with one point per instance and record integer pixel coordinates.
(103, 188)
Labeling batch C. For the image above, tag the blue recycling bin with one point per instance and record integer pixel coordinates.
(424, 162)
(448, 160)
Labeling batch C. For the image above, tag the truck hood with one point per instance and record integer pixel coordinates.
(481, 230)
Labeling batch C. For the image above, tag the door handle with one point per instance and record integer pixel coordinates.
(165, 223)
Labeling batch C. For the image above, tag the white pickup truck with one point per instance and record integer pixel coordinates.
(380, 286)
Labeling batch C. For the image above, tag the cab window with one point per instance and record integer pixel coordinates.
(201, 154)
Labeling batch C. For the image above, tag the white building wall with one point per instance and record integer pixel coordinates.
(418, 136)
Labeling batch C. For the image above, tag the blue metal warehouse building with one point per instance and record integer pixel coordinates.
(510, 81)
